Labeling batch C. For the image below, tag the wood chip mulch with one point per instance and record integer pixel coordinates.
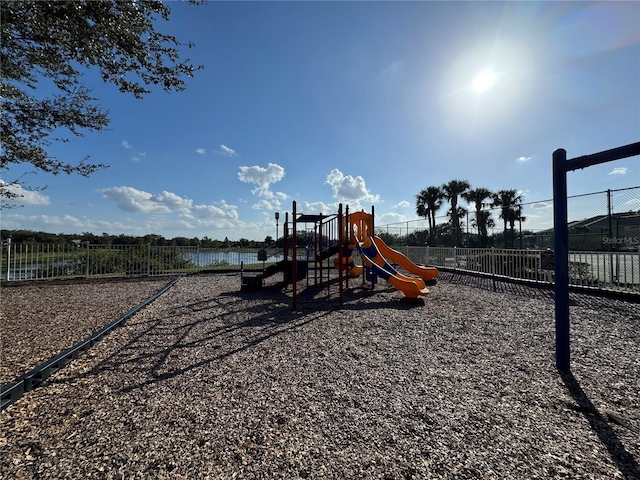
(212, 382)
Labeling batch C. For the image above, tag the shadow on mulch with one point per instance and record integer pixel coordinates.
(220, 333)
(546, 293)
(499, 286)
(625, 461)
(324, 296)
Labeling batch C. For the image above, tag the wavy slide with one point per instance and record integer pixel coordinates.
(425, 273)
(411, 287)
(350, 266)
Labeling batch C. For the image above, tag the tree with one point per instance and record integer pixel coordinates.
(516, 216)
(452, 191)
(417, 238)
(483, 222)
(390, 238)
(47, 44)
(509, 202)
(477, 197)
(428, 202)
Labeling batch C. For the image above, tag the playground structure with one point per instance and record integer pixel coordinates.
(342, 237)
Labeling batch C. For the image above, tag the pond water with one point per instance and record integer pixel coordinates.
(204, 259)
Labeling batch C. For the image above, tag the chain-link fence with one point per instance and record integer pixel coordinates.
(599, 221)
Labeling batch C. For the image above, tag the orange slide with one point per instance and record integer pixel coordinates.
(411, 287)
(425, 273)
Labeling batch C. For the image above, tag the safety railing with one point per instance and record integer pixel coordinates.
(35, 261)
(604, 270)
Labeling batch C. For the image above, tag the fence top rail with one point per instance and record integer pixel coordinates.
(617, 153)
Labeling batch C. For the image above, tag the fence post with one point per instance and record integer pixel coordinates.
(610, 228)
(148, 259)
(8, 257)
(561, 259)
(493, 267)
(455, 259)
(87, 266)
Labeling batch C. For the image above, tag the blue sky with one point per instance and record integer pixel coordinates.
(364, 103)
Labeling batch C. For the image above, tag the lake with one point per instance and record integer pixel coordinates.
(204, 259)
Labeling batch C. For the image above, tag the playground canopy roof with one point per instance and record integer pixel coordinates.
(312, 218)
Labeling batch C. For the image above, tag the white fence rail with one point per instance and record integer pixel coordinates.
(606, 270)
(32, 261)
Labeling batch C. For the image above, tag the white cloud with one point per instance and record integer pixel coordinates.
(47, 222)
(403, 204)
(619, 171)
(263, 177)
(389, 218)
(223, 211)
(172, 199)
(132, 200)
(69, 220)
(265, 205)
(24, 196)
(316, 208)
(267, 194)
(227, 152)
(272, 201)
(348, 188)
(541, 205)
(126, 144)
(524, 159)
(201, 151)
(135, 159)
(215, 221)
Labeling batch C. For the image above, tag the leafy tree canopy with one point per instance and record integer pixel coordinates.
(56, 41)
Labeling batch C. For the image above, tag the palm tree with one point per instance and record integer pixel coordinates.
(517, 215)
(451, 191)
(483, 221)
(477, 197)
(509, 202)
(428, 202)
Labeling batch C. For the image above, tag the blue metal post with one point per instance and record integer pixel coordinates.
(561, 259)
(561, 235)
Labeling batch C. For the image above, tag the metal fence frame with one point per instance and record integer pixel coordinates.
(619, 271)
(35, 261)
(610, 207)
(38, 261)
(612, 271)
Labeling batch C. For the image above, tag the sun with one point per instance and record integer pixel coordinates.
(484, 80)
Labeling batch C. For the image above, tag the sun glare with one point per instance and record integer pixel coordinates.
(484, 80)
